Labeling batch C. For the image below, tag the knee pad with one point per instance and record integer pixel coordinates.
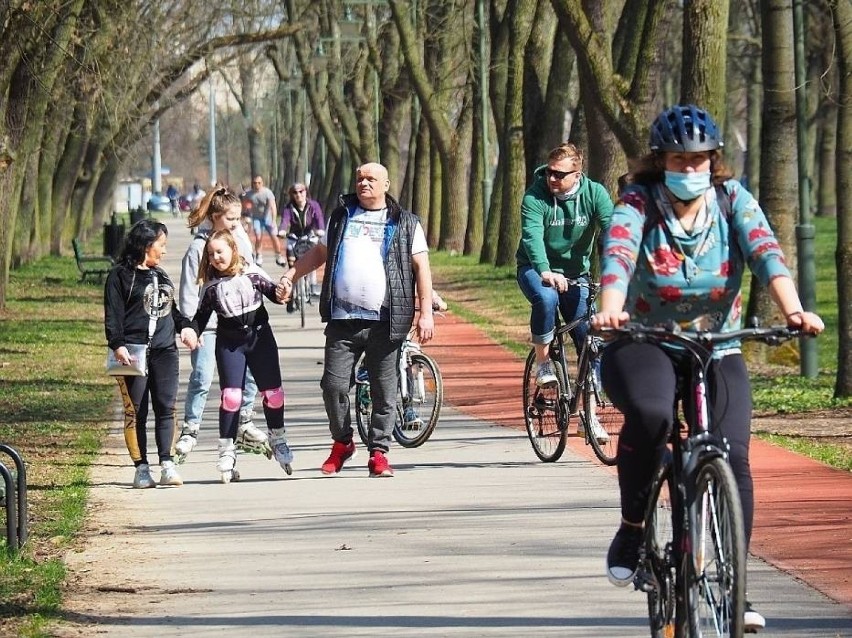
(232, 399)
(273, 398)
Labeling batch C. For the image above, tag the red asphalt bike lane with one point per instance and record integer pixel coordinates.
(803, 509)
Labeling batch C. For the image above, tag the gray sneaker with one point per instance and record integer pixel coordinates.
(544, 376)
(143, 479)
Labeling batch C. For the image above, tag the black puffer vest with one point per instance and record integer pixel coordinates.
(399, 297)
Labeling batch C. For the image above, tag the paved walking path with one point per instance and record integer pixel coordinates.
(472, 537)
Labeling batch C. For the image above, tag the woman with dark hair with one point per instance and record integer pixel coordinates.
(681, 237)
(139, 308)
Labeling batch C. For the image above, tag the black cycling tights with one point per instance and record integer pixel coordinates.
(640, 379)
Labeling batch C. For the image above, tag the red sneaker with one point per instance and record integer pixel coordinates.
(378, 465)
(340, 453)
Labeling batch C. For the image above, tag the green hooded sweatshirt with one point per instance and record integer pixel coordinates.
(558, 236)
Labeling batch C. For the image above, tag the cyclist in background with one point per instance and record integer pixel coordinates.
(681, 236)
(561, 213)
(301, 216)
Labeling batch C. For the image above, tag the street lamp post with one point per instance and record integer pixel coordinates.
(805, 232)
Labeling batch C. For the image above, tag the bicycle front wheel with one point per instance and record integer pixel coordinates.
(421, 410)
(545, 415)
(605, 421)
(657, 574)
(303, 298)
(716, 589)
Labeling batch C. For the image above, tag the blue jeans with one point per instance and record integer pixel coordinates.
(572, 303)
(203, 366)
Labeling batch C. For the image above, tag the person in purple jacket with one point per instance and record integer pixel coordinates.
(302, 216)
(678, 244)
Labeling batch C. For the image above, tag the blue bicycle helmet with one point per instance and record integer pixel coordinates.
(685, 128)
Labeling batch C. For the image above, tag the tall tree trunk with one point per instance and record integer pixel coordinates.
(705, 31)
(842, 15)
(514, 161)
(778, 148)
(606, 161)
(827, 173)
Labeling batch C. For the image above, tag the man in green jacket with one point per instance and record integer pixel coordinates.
(562, 211)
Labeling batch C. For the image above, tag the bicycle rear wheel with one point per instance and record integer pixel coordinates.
(657, 574)
(422, 409)
(598, 408)
(545, 415)
(364, 411)
(716, 589)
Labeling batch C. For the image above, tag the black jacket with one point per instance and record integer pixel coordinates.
(127, 302)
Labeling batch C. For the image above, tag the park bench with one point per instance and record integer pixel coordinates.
(91, 266)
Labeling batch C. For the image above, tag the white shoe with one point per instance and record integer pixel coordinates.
(752, 620)
(226, 465)
(281, 449)
(187, 441)
(544, 376)
(169, 474)
(601, 435)
(258, 259)
(143, 479)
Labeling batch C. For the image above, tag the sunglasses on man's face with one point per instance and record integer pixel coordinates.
(559, 174)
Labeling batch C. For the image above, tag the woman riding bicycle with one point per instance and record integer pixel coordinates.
(300, 217)
(681, 236)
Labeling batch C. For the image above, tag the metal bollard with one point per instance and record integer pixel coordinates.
(16, 500)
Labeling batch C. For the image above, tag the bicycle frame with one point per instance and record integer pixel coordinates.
(572, 391)
(705, 591)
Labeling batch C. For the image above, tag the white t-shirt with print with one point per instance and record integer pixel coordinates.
(359, 282)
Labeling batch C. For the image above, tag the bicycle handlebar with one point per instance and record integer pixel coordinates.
(706, 340)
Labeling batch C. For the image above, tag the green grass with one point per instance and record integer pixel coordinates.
(834, 455)
(54, 401)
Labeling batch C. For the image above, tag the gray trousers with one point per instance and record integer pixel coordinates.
(345, 341)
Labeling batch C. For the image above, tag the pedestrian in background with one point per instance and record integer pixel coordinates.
(263, 215)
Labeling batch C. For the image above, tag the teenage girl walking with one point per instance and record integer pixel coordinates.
(244, 341)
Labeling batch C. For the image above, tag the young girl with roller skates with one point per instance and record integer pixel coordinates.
(244, 341)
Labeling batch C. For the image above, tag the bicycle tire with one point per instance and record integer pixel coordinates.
(303, 298)
(364, 410)
(715, 593)
(597, 403)
(658, 573)
(545, 415)
(426, 397)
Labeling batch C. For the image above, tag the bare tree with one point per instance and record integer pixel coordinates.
(841, 11)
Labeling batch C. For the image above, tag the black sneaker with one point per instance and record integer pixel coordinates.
(291, 306)
(622, 559)
(752, 620)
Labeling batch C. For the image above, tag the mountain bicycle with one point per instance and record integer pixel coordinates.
(419, 397)
(578, 392)
(692, 562)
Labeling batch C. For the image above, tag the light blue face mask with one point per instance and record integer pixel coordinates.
(688, 186)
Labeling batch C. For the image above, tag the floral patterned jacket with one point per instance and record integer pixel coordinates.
(693, 278)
